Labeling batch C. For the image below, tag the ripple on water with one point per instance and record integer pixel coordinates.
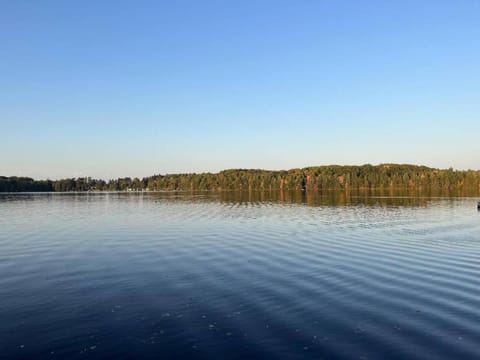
(194, 276)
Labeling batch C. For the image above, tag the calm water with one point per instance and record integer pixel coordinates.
(170, 276)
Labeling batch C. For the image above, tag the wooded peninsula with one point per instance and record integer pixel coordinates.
(319, 178)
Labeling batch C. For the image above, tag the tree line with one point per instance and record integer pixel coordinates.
(319, 178)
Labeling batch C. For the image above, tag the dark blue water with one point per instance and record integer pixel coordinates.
(171, 276)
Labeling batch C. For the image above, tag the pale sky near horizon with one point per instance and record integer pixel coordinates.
(135, 88)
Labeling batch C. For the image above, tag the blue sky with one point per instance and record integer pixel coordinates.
(135, 88)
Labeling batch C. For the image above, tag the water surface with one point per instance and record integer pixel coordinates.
(171, 276)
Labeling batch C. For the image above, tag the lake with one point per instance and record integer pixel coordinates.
(238, 276)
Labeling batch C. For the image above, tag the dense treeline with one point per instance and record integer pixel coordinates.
(12, 184)
(319, 178)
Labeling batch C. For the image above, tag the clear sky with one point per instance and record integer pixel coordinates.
(135, 88)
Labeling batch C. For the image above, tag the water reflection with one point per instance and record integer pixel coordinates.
(389, 197)
(239, 275)
(345, 198)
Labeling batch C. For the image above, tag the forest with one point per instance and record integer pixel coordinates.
(319, 178)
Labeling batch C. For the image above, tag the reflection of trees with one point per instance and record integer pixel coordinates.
(340, 197)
